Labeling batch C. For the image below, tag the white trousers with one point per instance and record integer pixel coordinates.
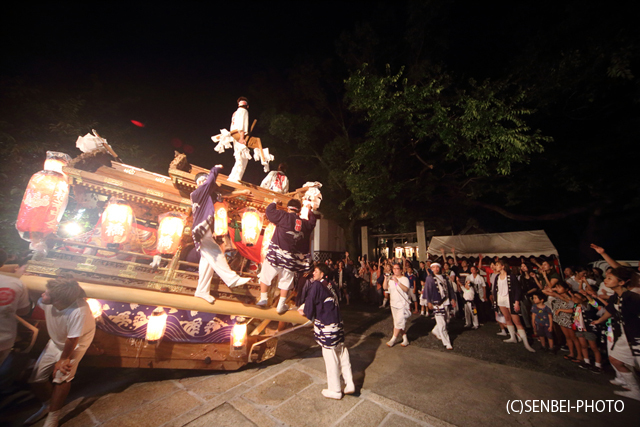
(441, 329)
(238, 169)
(212, 259)
(336, 361)
(469, 315)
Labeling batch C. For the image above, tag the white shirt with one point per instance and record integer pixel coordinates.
(13, 297)
(397, 297)
(468, 294)
(478, 283)
(503, 287)
(240, 120)
(74, 321)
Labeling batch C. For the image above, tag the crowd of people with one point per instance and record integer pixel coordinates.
(585, 315)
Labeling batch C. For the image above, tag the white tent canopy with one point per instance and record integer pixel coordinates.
(519, 243)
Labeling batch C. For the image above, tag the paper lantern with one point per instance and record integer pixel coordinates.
(95, 306)
(266, 239)
(251, 226)
(117, 220)
(170, 231)
(56, 161)
(42, 206)
(238, 339)
(221, 219)
(156, 325)
(398, 252)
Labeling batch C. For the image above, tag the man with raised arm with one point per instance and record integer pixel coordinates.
(211, 255)
(289, 251)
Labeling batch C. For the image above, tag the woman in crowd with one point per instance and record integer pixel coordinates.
(506, 299)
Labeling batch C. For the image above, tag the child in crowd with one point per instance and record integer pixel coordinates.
(542, 320)
(470, 311)
(584, 313)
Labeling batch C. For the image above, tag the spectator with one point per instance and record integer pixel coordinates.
(506, 300)
(71, 328)
(400, 306)
(470, 311)
(562, 307)
(542, 320)
(14, 301)
(623, 309)
(584, 314)
(413, 279)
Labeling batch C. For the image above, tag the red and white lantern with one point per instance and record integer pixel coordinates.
(117, 221)
(170, 229)
(42, 206)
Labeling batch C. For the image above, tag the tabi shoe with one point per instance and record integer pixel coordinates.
(405, 341)
(391, 342)
(512, 332)
(502, 333)
(522, 336)
(435, 334)
(208, 298)
(282, 309)
(240, 282)
(331, 394)
(44, 410)
(449, 347)
(262, 303)
(350, 389)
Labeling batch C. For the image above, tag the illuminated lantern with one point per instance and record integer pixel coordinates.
(238, 339)
(398, 252)
(117, 220)
(42, 206)
(251, 226)
(266, 239)
(56, 161)
(170, 231)
(156, 325)
(95, 306)
(221, 219)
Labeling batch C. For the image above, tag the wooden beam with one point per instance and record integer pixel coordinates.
(182, 302)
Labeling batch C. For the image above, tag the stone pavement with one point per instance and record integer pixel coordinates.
(410, 386)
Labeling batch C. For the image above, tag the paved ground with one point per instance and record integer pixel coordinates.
(421, 385)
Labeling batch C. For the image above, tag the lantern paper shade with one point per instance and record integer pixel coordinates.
(251, 226)
(266, 239)
(398, 252)
(117, 220)
(170, 231)
(43, 204)
(56, 161)
(156, 325)
(221, 219)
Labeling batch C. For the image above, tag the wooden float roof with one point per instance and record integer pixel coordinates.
(169, 192)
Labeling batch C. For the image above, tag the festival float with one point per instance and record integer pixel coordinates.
(135, 264)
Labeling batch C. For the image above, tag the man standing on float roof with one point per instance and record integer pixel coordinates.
(289, 250)
(211, 256)
(239, 129)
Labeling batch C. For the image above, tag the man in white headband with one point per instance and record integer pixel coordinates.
(439, 295)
